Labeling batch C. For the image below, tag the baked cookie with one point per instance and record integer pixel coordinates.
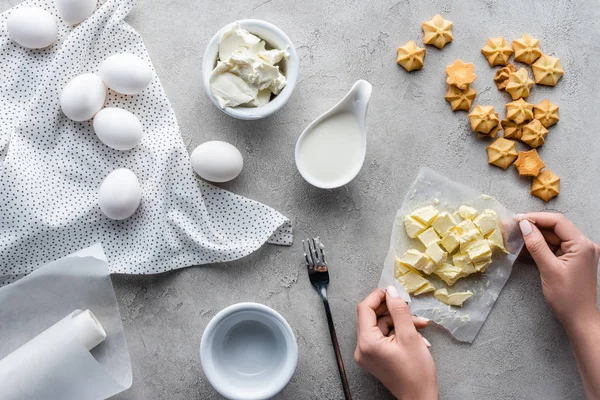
(410, 56)
(529, 163)
(460, 99)
(502, 152)
(547, 70)
(512, 130)
(519, 111)
(546, 185)
(527, 49)
(460, 74)
(501, 77)
(519, 84)
(437, 32)
(497, 51)
(534, 134)
(484, 120)
(546, 113)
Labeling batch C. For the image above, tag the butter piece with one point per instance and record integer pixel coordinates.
(430, 266)
(448, 273)
(482, 265)
(495, 240)
(425, 215)
(428, 237)
(468, 232)
(479, 250)
(463, 262)
(428, 287)
(412, 281)
(414, 259)
(487, 221)
(399, 268)
(451, 241)
(467, 212)
(443, 223)
(452, 299)
(413, 227)
(435, 252)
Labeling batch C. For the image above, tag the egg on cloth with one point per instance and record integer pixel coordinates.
(75, 11)
(125, 73)
(118, 128)
(217, 161)
(32, 27)
(83, 97)
(120, 194)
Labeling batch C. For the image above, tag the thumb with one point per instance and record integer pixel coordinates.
(536, 245)
(399, 311)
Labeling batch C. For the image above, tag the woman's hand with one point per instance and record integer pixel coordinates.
(389, 346)
(568, 265)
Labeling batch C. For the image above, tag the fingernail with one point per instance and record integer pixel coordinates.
(392, 291)
(526, 227)
(422, 319)
(426, 342)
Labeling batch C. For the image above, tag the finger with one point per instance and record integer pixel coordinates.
(551, 237)
(420, 322)
(399, 312)
(367, 319)
(385, 324)
(536, 245)
(562, 227)
(382, 309)
(425, 341)
(559, 253)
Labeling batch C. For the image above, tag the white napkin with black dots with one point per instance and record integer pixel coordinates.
(52, 167)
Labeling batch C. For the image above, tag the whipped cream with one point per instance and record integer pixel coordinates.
(246, 73)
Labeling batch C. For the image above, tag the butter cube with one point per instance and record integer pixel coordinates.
(481, 266)
(435, 252)
(496, 241)
(414, 259)
(466, 226)
(463, 262)
(430, 266)
(443, 223)
(428, 237)
(412, 281)
(452, 299)
(468, 232)
(428, 287)
(425, 215)
(487, 221)
(479, 250)
(399, 268)
(448, 273)
(451, 241)
(467, 212)
(413, 227)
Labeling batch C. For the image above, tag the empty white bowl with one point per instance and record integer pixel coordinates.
(248, 352)
(275, 38)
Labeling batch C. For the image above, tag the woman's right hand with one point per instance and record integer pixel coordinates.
(568, 265)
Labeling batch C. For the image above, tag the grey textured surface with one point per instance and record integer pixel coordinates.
(522, 351)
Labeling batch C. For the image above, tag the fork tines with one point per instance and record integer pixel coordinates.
(313, 252)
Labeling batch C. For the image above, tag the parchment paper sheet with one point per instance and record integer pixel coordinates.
(44, 297)
(462, 322)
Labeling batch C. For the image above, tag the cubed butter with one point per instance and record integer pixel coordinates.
(428, 287)
(399, 268)
(428, 237)
(435, 252)
(467, 212)
(414, 259)
(425, 215)
(481, 266)
(430, 266)
(487, 221)
(413, 227)
(496, 240)
(448, 273)
(479, 250)
(468, 232)
(451, 241)
(443, 223)
(452, 299)
(412, 281)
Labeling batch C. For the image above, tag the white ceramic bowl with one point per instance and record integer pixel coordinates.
(275, 38)
(248, 352)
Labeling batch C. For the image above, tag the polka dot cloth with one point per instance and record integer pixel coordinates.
(52, 167)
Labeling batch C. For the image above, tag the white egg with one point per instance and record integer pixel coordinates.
(120, 194)
(32, 27)
(75, 11)
(83, 97)
(118, 128)
(217, 161)
(125, 73)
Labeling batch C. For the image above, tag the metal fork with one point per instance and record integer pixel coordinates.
(319, 277)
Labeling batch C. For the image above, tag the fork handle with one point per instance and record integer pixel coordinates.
(336, 347)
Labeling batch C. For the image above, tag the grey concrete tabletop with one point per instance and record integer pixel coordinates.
(522, 351)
